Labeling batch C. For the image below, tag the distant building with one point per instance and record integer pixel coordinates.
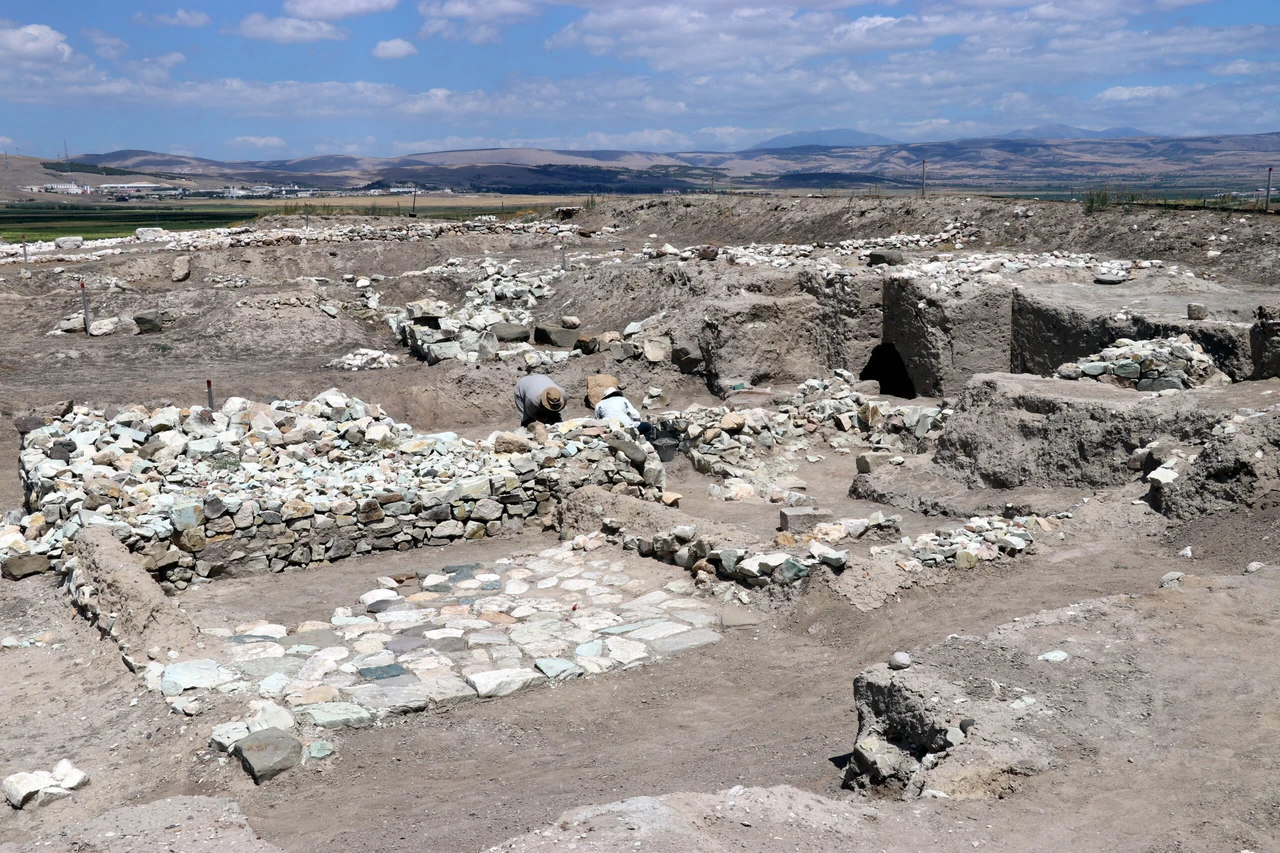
(132, 188)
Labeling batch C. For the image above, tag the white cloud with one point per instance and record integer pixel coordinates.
(34, 45)
(105, 44)
(1244, 68)
(394, 49)
(257, 142)
(478, 21)
(180, 18)
(1140, 93)
(155, 69)
(287, 30)
(333, 10)
(4, 140)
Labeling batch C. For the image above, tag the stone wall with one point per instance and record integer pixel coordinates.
(254, 487)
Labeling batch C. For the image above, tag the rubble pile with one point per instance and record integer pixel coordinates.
(255, 487)
(946, 272)
(982, 538)
(151, 239)
(30, 790)
(1155, 365)
(784, 255)
(706, 559)
(494, 322)
(727, 442)
(365, 359)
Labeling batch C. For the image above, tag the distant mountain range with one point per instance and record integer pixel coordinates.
(840, 138)
(1064, 131)
(1118, 155)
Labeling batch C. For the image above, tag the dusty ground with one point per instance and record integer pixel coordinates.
(1161, 740)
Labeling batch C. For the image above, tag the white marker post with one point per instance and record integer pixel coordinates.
(924, 178)
(1266, 204)
(84, 307)
(24, 251)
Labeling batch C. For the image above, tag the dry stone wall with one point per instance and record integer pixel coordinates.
(254, 487)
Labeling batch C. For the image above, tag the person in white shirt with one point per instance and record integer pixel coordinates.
(615, 406)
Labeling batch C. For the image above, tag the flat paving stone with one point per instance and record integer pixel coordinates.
(628, 627)
(502, 682)
(335, 715)
(658, 631)
(376, 673)
(683, 642)
(447, 689)
(321, 639)
(400, 645)
(558, 669)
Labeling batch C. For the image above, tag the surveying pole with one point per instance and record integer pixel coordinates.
(924, 178)
(1266, 204)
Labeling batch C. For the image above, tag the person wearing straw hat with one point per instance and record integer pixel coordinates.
(615, 406)
(539, 399)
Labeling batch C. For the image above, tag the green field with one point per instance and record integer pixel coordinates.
(40, 221)
(45, 221)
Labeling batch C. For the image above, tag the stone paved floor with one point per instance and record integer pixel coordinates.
(440, 636)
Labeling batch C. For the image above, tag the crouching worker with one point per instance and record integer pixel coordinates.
(538, 399)
(617, 407)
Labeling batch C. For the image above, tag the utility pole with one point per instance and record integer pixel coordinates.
(924, 178)
(66, 155)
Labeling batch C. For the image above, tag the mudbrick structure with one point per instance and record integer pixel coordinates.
(952, 526)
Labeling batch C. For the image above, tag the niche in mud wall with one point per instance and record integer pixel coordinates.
(886, 367)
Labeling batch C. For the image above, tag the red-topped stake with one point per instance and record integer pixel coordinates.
(208, 387)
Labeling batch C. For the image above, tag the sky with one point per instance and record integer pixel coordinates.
(239, 80)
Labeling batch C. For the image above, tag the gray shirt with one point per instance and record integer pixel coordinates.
(529, 395)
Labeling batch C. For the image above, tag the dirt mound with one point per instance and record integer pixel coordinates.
(1246, 242)
(1011, 431)
(125, 602)
(761, 819)
(584, 510)
(190, 824)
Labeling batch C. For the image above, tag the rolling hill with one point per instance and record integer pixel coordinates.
(1229, 162)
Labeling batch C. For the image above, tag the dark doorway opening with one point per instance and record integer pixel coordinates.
(885, 366)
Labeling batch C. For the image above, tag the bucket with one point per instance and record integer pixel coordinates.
(667, 448)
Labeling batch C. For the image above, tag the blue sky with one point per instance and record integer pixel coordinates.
(293, 78)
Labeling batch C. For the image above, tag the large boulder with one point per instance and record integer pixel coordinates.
(597, 385)
(69, 242)
(17, 568)
(267, 753)
(181, 268)
(510, 332)
(555, 336)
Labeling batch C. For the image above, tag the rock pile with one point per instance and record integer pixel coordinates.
(1155, 365)
(729, 442)
(945, 272)
(28, 790)
(158, 239)
(706, 558)
(365, 359)
(784, 255)
(494, 322)
(981, 539)
(255, 487)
